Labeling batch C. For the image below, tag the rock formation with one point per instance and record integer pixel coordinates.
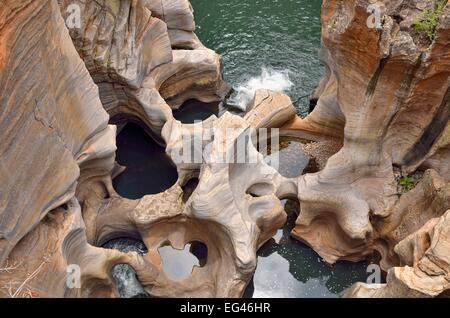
(145, 60)
(425, 273)
(65, 86)
(54, 130)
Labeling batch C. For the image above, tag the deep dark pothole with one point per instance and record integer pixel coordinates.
(189, 188)
(194, 110)
(149, 170)
(179, 264)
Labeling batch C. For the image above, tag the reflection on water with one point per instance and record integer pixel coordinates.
(178, 264)
(149, 170)
(288, 268)
(124, 275)
(194, 110)
(293, 161)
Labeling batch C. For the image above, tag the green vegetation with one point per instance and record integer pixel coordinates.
(407, 182)
(428, 20)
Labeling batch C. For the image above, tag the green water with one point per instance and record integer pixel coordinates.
(282, 35)
(289, 269)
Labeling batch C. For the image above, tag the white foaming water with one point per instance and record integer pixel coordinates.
(273, 80)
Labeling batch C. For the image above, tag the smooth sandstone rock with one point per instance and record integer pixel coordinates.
(234, 209)
(426, 253)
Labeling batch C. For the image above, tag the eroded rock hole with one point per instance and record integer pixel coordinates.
(124, 276)
(149, 170)
(179, 264)
(194, 110)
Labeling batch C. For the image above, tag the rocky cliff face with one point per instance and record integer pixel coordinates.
(386, 94)
(385, 97)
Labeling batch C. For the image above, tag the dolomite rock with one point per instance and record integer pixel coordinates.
(269, 109)
(66, 206)
(430, 199)
(145, 58)
(385, 95)
(426, 274)
(386, 92)
(234, 209)
(327, 119)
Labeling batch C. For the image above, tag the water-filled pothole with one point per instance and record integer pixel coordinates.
(124, 275)
(292, 159)
(194, 110)
(179, 264)
(288, 268)
(149, 170)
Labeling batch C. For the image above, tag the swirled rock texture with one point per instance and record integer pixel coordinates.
(55, 130)
(386, 94)
(385, 97)
(145, 58)
(389, 90)
(425, 254)
(131, 61)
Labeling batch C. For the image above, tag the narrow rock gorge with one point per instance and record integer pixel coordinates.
(83, 84)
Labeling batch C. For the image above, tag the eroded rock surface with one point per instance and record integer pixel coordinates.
(145, 58)
(390, 92)
(54, 131)
(385, 93)
(384, 99)
(425, 254)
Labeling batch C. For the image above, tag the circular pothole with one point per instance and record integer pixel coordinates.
(124, 275)
(149, 170)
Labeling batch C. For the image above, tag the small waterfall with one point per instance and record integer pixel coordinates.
(271, 79)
